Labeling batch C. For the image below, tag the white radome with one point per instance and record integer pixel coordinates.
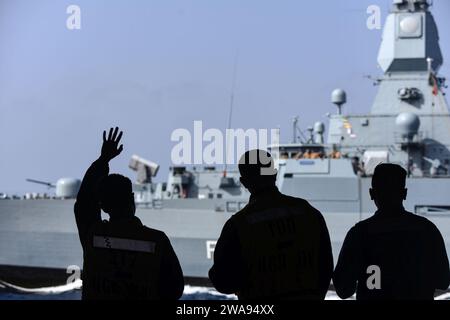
(409, 24)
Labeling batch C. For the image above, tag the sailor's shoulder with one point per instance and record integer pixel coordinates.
(153, 230)
(290, 200)
(302, 205)
(419, 220)
(361, 227)
(155, 233)
(242, 215)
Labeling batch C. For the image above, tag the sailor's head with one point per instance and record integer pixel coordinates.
(116, 196)
(388, 186)
(257, 170)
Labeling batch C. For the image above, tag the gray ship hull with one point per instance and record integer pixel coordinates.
(42, 233)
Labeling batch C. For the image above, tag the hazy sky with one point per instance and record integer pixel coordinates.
(154, 66)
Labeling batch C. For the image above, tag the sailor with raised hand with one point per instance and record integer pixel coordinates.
(123, 259)
(277, 246)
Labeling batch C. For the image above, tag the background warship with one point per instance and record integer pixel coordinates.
(409, 124)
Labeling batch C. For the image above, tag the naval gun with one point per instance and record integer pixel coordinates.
(65, 188)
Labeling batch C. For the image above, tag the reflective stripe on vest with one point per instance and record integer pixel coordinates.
(124, 244)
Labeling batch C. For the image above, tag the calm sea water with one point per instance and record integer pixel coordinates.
(190, 293)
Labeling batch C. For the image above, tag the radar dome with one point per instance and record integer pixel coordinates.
(67, 187)
(338, 96)
(410, 24)
(319, 127)
(407, 124)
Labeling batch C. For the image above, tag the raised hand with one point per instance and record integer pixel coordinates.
(109, 147)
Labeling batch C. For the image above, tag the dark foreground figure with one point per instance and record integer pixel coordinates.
(394, 254)
(276, 246)
(123, 259)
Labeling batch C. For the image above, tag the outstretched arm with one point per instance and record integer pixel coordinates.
(87, 207)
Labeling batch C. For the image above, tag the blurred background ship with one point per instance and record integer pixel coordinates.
(409, 124)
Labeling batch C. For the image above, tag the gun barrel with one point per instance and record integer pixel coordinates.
(48, 184)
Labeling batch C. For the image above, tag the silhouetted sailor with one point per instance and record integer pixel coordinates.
(123, 259)
(275, 247)
(394, 254)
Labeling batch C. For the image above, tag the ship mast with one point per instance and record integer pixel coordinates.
(230, 114)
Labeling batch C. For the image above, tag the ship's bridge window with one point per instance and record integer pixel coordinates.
(298, 151)
(310, 152)
(178, 170)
